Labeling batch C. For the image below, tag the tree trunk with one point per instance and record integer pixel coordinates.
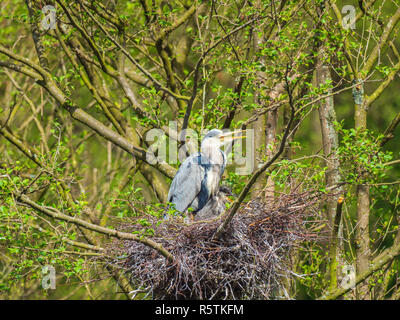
(260, 124)
(363, 251)
(330, 143)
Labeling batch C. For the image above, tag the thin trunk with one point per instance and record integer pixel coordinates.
(260, 124)
(271, 127)
(330, 139)
(330, 143)
(363, 251)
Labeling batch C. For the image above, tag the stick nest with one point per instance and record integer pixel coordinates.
(249, 260)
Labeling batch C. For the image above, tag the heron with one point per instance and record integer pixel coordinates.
(197, 179)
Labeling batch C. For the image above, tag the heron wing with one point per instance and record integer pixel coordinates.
(187, 183)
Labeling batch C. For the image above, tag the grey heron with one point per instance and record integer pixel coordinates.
(197, 179)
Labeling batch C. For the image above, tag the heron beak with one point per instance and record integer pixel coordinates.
(235, 138)
(226, 134)
(229, 136)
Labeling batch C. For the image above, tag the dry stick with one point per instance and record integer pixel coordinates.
(56, 214)
(254, 177)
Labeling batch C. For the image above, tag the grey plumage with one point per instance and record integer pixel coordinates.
(187, 183)
(197, 180)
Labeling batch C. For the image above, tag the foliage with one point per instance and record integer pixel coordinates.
(79, 102)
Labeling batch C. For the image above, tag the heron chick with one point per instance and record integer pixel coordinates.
(198, 177)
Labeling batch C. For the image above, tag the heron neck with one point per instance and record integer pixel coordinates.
(213, 153)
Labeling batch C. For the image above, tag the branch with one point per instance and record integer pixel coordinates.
(376, 94)
(85, 118)
(389, 132)
(380, 261)
(88, 84)
(133, 60)
(69, 241)
(84, 34)
(21, 69)
(36, 35)
(56, 214)
(382, 41)
(234, 104)
(43, 73)
(164, 33)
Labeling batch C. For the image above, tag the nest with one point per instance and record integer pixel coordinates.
(249, 260)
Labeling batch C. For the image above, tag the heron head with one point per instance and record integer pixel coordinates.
(218, 137)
